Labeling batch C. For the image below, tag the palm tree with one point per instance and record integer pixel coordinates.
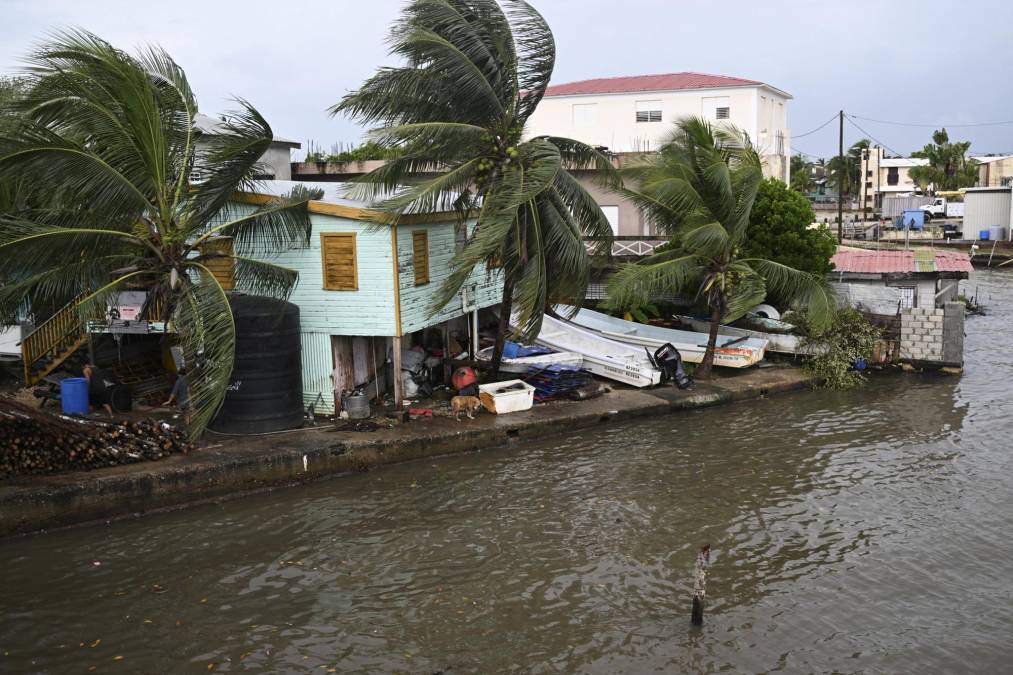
(700, 188)
(473, 74)
(110, 136)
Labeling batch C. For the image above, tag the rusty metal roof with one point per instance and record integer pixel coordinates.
(900, 262)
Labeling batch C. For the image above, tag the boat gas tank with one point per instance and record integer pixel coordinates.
(265, 389)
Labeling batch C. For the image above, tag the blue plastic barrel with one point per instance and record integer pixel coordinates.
(74, 396)
(983, 235)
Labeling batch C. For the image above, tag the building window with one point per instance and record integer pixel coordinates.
(340, 270)
(907, 297)
(585, 114)
(219, 261)
(868, 183)
(868, 173)
(778, 141)
(612, 215)
(722, 113)
(420, 256)
(648, 111)
(892, 176)
(716, 108)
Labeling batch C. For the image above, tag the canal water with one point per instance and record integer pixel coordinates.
(866, 531)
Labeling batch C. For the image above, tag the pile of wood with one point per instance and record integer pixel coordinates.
(32, 441)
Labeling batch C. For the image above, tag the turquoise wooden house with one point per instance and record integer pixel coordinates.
(366, 290)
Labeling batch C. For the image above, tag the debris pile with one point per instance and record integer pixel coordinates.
(33, 442)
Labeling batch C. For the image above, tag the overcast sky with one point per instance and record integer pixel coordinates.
(912, 61)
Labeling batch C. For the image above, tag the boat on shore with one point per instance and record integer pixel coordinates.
(523, 364)
(780, 343)
(732, 351)
(601, 355)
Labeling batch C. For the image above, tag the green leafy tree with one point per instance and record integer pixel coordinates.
(948, 168)
(700, 188)
(780, 230)
(845, 173)
(473, 73)
(801, 174)
(111, 135)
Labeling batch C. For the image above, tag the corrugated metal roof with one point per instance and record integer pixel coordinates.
(900, 262)
(635, 83)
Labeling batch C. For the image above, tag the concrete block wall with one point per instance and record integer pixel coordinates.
(921, 334)
(953, 333)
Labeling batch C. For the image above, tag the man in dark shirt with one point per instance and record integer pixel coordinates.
(98, 387)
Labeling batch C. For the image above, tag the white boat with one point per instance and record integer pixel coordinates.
(776, 342)
(522, 364)
(601, 356)
(731, 352)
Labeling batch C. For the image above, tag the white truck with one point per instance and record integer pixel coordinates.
(941, 207)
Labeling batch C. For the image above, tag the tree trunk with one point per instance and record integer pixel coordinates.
(703, 371)
(505, 308)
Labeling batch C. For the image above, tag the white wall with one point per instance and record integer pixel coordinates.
(611, 119)
(879, 298)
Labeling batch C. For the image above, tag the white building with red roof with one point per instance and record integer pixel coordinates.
(635, 114)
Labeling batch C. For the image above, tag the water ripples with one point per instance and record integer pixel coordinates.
(855, 532)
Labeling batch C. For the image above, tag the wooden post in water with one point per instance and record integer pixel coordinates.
(703, 560)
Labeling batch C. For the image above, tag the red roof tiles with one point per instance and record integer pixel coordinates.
(896, 262)
(666, 82)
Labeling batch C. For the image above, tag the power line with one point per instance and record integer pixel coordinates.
(816, 129)
(879, 142)
(932, 126)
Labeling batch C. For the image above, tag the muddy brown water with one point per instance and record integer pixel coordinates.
(866, 531)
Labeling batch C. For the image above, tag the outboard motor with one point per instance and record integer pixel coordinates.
(668, 360)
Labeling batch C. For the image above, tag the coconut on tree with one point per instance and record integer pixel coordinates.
(473, 71)
(109, 138)
(699, 188)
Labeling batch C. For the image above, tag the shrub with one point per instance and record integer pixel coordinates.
(835, 350)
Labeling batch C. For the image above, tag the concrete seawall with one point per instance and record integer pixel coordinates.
(243, 465)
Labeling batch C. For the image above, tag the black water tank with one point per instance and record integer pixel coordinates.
(265, 390)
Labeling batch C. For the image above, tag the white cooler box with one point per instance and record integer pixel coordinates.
(506, 397)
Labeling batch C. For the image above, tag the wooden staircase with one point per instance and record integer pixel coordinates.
(52, 342)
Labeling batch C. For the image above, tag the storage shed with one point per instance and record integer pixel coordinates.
(886, 282)
(986, 208)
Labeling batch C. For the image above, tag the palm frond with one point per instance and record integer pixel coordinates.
(276, 226)
(207, 335)
(536, 54)
(257, 277)
(229, 161)
(639, 284)
(807, 290)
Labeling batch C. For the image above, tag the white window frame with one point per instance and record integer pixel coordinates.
(610, 209)
(716, 107)
(648, 111)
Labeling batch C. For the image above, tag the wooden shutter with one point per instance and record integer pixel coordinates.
(340, 270)
(420, 254)
(224, 268)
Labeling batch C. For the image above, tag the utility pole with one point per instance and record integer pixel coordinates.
(840, 179)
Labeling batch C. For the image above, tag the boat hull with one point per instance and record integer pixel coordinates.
(776, 342)
(602, 356)
(691, 346)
